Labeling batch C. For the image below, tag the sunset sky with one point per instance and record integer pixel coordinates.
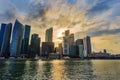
(99, 19)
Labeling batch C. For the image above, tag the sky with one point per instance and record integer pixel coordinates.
(96, 18)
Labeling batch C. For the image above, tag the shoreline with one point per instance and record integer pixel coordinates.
(65, 59)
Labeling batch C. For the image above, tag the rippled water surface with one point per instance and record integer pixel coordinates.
(60, 70)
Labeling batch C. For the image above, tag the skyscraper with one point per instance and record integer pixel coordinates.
(5, 48)
(80, 48)
(17, 38)
(49, 35)
(2, 31)
(87, 46)
(35, 46)
(65, 46)
(25, 41)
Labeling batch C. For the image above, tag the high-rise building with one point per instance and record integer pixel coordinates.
(35, 46)
(5, 48)
(80, 48)
(49, 35)
(72, 50)
(2, 31)
(17, 38)
(25, 41)
(47, 48)
(68, 41)
(65, 46)
(67, 32)
(87, 46)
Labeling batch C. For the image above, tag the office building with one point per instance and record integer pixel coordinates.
(25, 41)
(5, 48)
(35, 46)
(47, 48)
(49, 35)
(73, 50)
(2, 31)
(65, 46)
(87, 46)
(80, 48)
(17, 37)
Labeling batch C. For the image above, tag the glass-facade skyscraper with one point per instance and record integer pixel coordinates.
(5, 48)
(17, 38)
(49, 35)
(2, 31)
(25, 41)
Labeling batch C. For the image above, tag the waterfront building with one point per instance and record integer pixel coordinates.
(68, 41)
(25, 41)
(72, 50)
(5, 48)
(87, 46)
(47, 48)
(35, 46)
(49, 35)
(80, 48)
(65, 46)
(17, 37)
(2, 31)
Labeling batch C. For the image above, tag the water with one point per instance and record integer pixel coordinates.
(60, 70)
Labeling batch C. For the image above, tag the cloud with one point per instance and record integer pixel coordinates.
(9, 14)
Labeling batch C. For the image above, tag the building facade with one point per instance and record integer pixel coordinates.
(87, 46)
(35, 46)
(5, 48)
(17, 37)
(49, 35)
(25, 41)
(80, 48)
(2, 31)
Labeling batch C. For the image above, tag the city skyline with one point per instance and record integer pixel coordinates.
(94, 18)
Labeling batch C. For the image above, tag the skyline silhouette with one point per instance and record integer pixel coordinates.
(95, 18)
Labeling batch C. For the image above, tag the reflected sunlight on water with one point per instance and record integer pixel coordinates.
(60, 70)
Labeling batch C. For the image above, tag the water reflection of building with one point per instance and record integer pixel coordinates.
(17, 38)
(5, 48)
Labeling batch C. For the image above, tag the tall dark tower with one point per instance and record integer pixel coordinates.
(25, 41)
(5, 48)
(2, 31)
(35, 46)
(17, 38)
(49, 35)
(87, 46)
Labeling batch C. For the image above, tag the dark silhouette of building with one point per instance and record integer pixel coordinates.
(49, 35)
(87, 46)
(17, 38)
(35, 46)
(2, 31)
(5, 48)
(25, 41)
(47, 48)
